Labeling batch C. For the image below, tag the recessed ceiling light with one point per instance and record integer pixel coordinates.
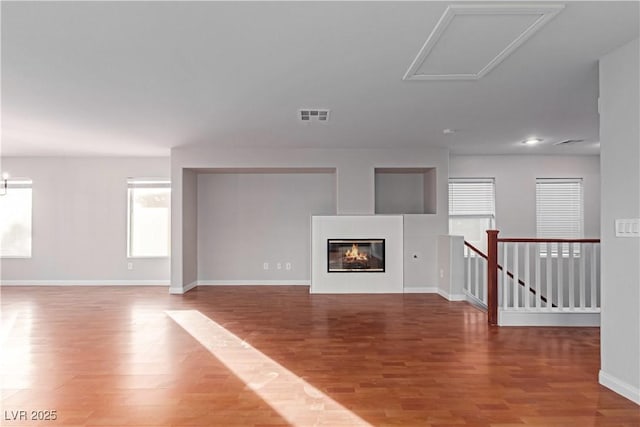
(531, 141)
(448, 131)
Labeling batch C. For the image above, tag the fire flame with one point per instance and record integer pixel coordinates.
(354, 255)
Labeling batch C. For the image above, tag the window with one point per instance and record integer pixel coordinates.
(15, 219)
(149, 225)
(559, 212)
(472, 209)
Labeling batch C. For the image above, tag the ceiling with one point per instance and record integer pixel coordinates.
(138, 78)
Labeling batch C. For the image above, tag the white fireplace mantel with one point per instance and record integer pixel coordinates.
(388, 227)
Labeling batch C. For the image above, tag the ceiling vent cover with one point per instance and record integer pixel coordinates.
(315, 115)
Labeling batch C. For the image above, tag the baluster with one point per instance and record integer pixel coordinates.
(505, 281)
(485, 291)
(549, 280)
(593, 283)
(537, 249)
(572, 297)
(516, 265)
(527, 276)
(560, 262)
(467, 287)
(478, 277)
(583, 256)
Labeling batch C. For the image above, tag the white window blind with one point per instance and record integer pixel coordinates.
(149, 224)
(559, 208)
(471, 196)
(472, 209)
(559, 213)
(15, 219)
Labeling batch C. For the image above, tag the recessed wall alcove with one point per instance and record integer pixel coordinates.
(254, 223)
(235, 209)
(405, 190)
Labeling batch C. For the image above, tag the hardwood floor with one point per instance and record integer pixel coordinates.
(277, 356)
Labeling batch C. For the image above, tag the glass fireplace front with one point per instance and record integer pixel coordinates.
(355, 255)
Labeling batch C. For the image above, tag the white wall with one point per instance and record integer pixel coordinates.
(247, 219)
(80, 221)
(620, 163)
(355, 190)
(515, 178)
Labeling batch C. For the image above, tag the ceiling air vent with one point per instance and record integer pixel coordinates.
(314, 115)
(569, 141)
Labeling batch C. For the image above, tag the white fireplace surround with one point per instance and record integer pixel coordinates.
(388, 227)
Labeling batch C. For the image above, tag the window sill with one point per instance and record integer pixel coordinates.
(149, 257)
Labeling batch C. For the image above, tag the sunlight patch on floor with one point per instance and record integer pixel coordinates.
(16, 364)
(297, 401)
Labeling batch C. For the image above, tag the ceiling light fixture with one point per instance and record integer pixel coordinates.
(532, 141)
(448, 131)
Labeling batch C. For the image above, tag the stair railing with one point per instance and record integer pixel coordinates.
(542, 275)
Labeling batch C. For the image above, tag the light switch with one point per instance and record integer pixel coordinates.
(628, 227)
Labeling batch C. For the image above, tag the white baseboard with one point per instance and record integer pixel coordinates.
(473, 300)
(451, 297)
(254, 283)
(534, 317)
(84, 283)
(179, 290)
(421, 290)
(622, 388)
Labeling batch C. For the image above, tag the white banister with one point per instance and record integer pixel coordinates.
(505, 282)
(572, 296)
(593, 302)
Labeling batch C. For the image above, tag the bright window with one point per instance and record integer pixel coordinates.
(149, 221)
(15, 219)
(559, 211)
(472, 209)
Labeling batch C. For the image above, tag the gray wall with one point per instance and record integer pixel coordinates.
(247, 219)
(190, 226)
(399, 193)
(80, 221)
(620, 162)
(516, 186)
(355, 194)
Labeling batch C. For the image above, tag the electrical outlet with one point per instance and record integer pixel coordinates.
(279, 266)
(129, 266)
(265, 265)
(441, 273)
(288, 266)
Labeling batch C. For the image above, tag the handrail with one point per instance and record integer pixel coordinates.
(474, 249)
(534, 240)
(510, 274)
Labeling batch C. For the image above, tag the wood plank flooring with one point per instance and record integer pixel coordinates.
(277, 356)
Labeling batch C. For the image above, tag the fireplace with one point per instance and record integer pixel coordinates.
(355, 255)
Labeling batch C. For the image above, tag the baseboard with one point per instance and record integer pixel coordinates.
(622, 388)
(533, 317)
(84, 283)
(254, 282)
(179, 290)
(451, 297)
(421, 290)
(477, 302)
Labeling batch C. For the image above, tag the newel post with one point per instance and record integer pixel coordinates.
(492, 277)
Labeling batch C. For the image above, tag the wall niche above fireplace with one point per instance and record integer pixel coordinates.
(405, 191)
(355, 255)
